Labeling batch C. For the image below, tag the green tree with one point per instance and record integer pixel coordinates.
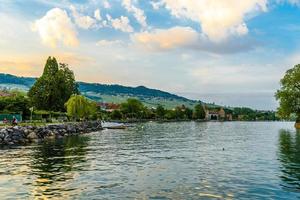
(79, 107)
(199, 112)
(132, 108)
(16, 103)
(116, 115)
(188, 113)
(160, 112)
(289, 94)
(54, 87)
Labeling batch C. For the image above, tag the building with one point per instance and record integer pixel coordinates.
(109, 107)
(216, 114)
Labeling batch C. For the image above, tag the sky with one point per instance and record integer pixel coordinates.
(230, 52)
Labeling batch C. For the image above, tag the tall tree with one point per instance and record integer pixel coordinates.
(289, 93)
(199, 112)
(54, 87)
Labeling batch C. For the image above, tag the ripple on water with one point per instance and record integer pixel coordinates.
(159, 161)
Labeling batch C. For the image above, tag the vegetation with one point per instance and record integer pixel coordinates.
(199, 112)
(80, 108)
(15, 102)
(289, 94)
(54, 87)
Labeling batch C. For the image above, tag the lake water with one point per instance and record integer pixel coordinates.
(187, 160)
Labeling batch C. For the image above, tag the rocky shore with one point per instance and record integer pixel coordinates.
(27, 134)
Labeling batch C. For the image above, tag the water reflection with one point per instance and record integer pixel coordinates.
(56, 162)
(289, 155)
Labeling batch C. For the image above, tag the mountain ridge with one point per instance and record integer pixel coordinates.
(113, 93)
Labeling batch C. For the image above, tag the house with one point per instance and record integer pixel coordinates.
(109, 107)
(215, 114)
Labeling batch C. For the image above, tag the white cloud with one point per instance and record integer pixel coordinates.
(138, 13)
(156, 5)
(55, 27)
(82, 21)
(108, 43)
(97, 15)
(219, 19)
(122, 24)
(106, 4)
(165, 39)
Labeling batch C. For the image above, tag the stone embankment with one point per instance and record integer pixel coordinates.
(27, 134)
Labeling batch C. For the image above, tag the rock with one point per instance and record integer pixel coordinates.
(297, 125)
(3, 133)
(23, 135)
(26, 131)
(7, 138)
(32, 136)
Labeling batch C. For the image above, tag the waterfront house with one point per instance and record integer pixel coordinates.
(216, 114)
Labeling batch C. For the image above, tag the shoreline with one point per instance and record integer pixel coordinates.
(184, 120)
(22, 135)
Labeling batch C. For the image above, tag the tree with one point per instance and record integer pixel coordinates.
(289, 94)
(116, 115)
(17, 102)
(79, 107)
(160, 111)
(188, 113)
(132, 108)
(54, 87)
(199, 112)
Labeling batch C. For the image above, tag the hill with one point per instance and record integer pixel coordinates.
(108, 93)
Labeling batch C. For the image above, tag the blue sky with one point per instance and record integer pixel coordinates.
(227, 51)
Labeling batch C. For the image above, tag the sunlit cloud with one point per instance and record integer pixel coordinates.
(165, 39)
(138, 13)
(218, 19)
(97, 15)
(56, 27)
(84, 21)
(122, 24)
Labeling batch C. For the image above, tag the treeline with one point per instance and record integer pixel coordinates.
(248, 114)
(134, 109)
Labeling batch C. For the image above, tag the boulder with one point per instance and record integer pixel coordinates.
(32, 136)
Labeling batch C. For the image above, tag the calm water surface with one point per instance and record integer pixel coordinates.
(159, 161)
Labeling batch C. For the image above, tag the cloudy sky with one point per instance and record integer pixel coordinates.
(230, 52)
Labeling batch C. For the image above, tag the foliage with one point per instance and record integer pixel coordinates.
(16, 103)
(160, 112)
(199, 112)
(289, 93)
(79, 107)
(54, 87)
(116, 115)
(133, 108)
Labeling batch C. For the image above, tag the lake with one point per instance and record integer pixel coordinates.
(186, 160)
